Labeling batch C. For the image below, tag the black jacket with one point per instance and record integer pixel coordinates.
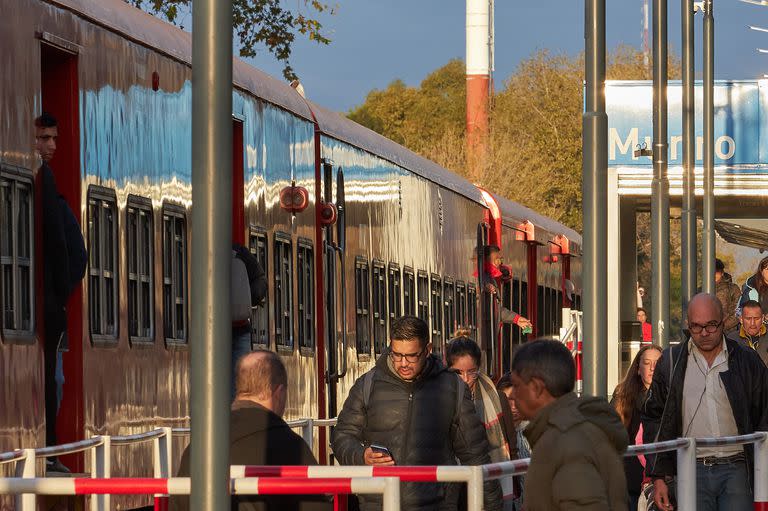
(259, 437)
(422, 423)
(64, 256)
(745, 382)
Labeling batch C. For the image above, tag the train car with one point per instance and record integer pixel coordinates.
(352, 230)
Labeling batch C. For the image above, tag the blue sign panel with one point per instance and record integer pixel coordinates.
(740, 139)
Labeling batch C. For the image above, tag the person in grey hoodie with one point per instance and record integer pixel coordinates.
(576, 443)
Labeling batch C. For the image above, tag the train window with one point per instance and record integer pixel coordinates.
(506, 328)
(409, 292)
(461, 304)
(379, 292)
(422, 306)
(175, 290)
(362, 306)
(436, 295)
(449, 308)
(558, 310)
(472, 309)
(541, 319)
(103, 264)
(17, 254)
(395, 303)
(516, 332)
(306, 296)
(283, 291)
(140, 235)
(257, 243)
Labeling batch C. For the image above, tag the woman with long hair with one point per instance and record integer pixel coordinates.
(463, 356)
(628, 399)
(504, 386)
(756, 287)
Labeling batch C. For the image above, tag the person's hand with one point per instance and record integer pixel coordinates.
(376, 458)
(524, 322)
(661, 495)
(490, 288)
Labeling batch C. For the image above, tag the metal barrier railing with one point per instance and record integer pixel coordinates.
(26, 484)
(387, 487)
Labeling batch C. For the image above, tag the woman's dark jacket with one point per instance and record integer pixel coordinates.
(423, 422)
(632, 466)
(746, 385)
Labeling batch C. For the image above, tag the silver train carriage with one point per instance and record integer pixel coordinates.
(352, 229)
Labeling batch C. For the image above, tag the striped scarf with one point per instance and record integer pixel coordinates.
(488, 406)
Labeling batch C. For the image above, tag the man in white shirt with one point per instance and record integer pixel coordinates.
(707, 387)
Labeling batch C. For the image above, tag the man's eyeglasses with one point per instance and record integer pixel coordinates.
(470, 375)
(409, 357)
(709, 327)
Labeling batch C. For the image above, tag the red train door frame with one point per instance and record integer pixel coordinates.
(60, 92)
(238, 184)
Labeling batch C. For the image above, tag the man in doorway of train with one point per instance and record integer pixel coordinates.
(576, 443)
(258, 435)
(410, 410)
(709, 386)
(494, 274)
(64, 261)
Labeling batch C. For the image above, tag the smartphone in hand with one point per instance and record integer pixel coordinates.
(381, 449)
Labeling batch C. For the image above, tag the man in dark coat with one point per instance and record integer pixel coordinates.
(64, 261)
(728, 293)
(752, 331)
(576, 443)
(708, 386)
(411, 405)
(259, 436)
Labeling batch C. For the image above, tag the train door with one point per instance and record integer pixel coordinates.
(59, 95)
(334, 282)
(238, 183)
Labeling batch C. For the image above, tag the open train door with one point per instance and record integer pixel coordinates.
(59, 91)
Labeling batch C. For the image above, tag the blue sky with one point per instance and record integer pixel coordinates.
(375, 41)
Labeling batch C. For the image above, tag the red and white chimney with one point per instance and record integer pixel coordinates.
(479, 68)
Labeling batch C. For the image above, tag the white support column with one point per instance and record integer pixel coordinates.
(101, 466)
(761, 472)
(25, 468)
(686, 476)
(475, 490)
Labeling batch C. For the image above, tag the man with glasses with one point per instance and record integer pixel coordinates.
(410, 410)
(707, 387)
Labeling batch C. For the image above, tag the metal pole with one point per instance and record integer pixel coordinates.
(708, 241)
(595, 191)
(761, 471)
(210, 325)
(686, 476)
(660, 184)
(688, 238)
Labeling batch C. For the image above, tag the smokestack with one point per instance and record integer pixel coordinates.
(479, 66)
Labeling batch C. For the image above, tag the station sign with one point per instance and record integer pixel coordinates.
(741, 123)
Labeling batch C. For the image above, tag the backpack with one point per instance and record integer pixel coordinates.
(240, 291)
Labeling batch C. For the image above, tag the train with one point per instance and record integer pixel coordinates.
(352, 230)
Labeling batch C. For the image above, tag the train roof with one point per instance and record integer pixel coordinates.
(513, 214)
(143, 28)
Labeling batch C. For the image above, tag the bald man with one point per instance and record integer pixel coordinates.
(709, 386)
(259, 436)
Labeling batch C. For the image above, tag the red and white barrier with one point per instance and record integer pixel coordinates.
(388, 487)
(472, 476)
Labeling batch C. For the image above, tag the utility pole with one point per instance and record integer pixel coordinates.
(210, 328)
(595, 190)
(688, 220)
(708, 248)
(660, 183)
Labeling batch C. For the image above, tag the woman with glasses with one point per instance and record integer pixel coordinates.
(463, 358)
(628, 399)
(756, 287)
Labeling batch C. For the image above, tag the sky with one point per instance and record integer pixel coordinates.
(375, 41)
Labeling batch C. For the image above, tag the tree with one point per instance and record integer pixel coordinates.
(257, 23)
